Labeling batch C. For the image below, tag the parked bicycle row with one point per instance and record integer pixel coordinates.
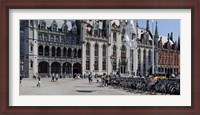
(163, 86)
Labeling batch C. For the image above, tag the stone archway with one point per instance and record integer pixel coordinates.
(43, 67)
(77, 68)
(67, 68)
(55, 67)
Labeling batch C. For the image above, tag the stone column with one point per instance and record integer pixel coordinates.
(141, 61)
(61, 71)
(135, 61)
(147, 67)
(72, 70)
(50, 69)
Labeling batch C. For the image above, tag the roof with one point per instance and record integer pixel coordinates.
(59, 22)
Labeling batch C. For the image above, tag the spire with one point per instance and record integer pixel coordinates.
(137, 25)
(171, 37)
(156, 30)
(147, 26)
(168, 38)
(179, 40)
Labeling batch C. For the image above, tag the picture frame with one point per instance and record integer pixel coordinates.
(103, 4)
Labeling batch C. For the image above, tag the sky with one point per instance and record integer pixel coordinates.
(164, 27)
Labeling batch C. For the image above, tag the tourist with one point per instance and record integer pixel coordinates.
(153, 82)
(39, 82)
(52, 80)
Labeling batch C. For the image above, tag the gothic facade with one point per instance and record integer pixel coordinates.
(83, 46)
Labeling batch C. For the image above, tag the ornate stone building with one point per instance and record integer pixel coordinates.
(83, 46)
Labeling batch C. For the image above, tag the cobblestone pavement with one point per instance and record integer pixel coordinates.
(70, 86)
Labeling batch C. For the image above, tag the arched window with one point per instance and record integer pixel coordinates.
(53, 51)
(123, 53)
(69, 52)
(75, 53)
(96, 56)
(79, 53)
(40, 50)
(64, 52)
(46, 51)
(88, 56)
(104, 54)
(58, 51)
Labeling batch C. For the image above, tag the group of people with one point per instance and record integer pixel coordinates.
(54, 77)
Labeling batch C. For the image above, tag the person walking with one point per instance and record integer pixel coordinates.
(52, 79)
(57, 77)
(39, 82)
(90, 78)
(20, 80)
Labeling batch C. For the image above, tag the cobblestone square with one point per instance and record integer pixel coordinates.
(70, 86)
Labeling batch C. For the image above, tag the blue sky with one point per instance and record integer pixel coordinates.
(164, 27)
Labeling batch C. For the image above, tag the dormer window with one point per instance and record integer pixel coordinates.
(65, 29)
(54, 28)
(42, 24)
(74, 30)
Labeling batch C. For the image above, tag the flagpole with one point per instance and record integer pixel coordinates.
(153, 46)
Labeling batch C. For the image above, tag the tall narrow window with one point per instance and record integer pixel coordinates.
(31, 64)
(115, 36)
(31, 47)
(144, 62)
(149, 57)
(104, 57)
(132, 59)
(139, 62)
(123, 58)
(96, 55)
(40, 50)
(114, 60)
(87, 56)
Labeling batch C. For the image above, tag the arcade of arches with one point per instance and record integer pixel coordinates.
(45, 67)
(59, 52)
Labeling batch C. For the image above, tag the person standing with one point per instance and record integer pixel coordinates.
(39, 82)
(153, 82)
(52, 77)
